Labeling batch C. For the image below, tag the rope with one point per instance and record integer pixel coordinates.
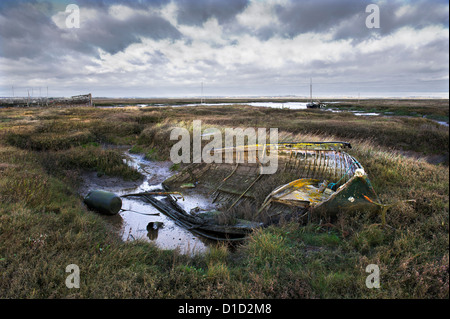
(331, 185)
(133, 211)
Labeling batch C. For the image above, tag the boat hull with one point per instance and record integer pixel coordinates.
(355, 195)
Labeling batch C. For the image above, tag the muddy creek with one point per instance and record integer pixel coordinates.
(136, 220)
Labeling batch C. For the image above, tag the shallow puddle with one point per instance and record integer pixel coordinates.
(136, 221)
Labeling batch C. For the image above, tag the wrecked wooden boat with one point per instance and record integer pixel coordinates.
(314, 177)
(311, 178)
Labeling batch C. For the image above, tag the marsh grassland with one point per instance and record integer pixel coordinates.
(44, 225)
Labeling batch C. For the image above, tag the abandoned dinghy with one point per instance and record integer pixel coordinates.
(315, 177)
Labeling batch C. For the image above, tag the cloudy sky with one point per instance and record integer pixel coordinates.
(168, 48)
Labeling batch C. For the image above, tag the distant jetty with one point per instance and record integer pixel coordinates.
(76, 100)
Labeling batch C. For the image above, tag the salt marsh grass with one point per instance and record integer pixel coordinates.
(44, 225)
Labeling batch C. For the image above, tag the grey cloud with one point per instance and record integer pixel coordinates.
(140, 4)
(196, 12)
(421, 14)
(28, 31)
(25, 31)
(113, 35)
(346, 19)
(354, 28)
(316, 16)
(156, 58)
(265, 33)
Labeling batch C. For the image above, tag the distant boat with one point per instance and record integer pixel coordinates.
(314, 105)
(311, 104)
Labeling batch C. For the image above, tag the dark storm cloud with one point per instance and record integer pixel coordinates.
(316, 16)
(26, 30)
(113, 35)
(196, 12)
(346, 19)
(128, 3)
(10, 3)
(419, 15)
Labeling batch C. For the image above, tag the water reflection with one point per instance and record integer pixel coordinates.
(152, 229)
(141, 220)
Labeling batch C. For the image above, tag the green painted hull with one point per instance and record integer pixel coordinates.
(355, 195)
(103, 202)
